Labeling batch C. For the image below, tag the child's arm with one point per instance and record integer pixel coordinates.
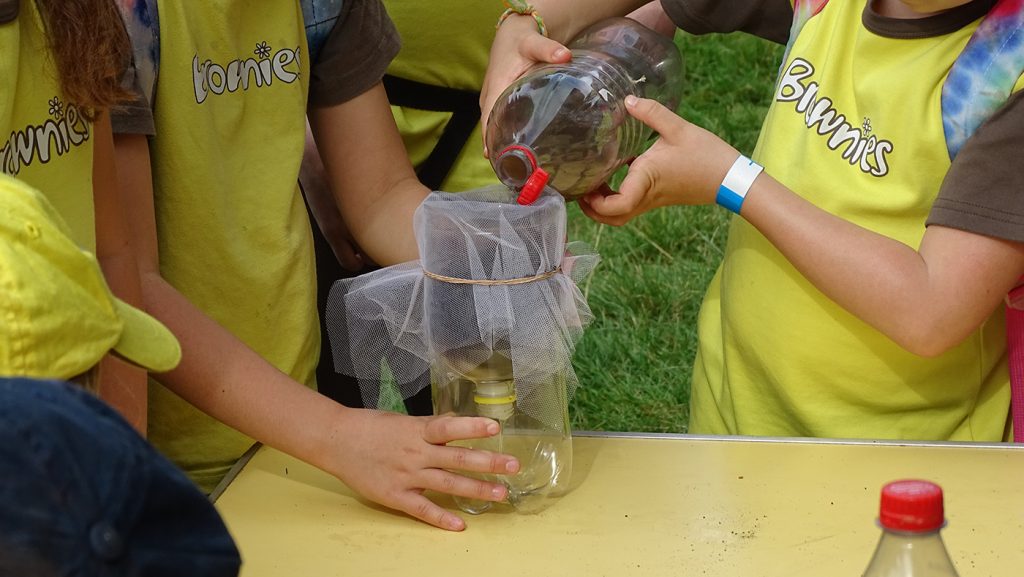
(317, 190)
(387, 458)
(926, 300)
(374, 184)
(121, 384)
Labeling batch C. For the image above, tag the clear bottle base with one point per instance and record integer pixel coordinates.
(473, 506)
(524, 503)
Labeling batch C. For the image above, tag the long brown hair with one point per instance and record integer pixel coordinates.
(91, 50)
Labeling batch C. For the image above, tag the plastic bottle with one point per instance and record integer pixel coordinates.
(544, 450)
(911, 516)
(500, 350)
(569, 120)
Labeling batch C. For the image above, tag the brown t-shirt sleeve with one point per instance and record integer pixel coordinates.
(768, 19)
(134, 116)
(355, 54)
(8, 11)
(983, 192)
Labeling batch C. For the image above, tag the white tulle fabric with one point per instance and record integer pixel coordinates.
(399, 320)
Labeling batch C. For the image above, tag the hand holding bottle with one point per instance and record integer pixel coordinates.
(518, 46)
(566, 123)
(391, 459)
(684, 166)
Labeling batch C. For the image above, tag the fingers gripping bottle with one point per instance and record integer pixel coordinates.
(543, 447)
(911, 516)
(569, 120)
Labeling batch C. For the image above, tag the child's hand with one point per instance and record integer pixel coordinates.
(391, 459)
(684, 166)
(517, 47)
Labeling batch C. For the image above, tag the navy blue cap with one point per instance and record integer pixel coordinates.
(82, 494)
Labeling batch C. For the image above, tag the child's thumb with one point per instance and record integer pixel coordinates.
(539, 48)
(651, 113)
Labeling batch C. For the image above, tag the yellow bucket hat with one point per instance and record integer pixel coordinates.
(58, 317)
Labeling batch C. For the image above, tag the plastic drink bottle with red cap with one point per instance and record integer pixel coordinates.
(911, 516)
(567, 124)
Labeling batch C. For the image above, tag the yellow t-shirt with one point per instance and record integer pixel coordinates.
(433, 54)
(234, 237)
(44, 140)
(855, 127)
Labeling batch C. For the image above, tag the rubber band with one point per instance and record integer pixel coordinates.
(492, 282)
(522, 8)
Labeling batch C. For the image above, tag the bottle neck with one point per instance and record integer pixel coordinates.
(514, 166)
(914, 554)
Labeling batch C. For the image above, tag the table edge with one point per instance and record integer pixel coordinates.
(245, 458)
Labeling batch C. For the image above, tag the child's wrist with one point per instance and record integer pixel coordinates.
(737, 182)
(522, 8)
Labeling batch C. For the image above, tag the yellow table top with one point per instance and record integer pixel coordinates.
(645, 505)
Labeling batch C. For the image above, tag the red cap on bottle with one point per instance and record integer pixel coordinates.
(911, 505)
(533, 187)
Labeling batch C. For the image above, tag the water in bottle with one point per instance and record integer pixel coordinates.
(543, 447)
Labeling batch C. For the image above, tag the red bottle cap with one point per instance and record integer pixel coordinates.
(911, 505)
(533, 187)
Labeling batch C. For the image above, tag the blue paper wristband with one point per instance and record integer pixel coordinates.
(737, 182)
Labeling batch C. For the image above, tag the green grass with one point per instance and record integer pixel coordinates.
(634, 361)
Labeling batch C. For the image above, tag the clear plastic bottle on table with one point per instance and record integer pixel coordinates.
(543, 447)
(911, 516)
(570, 121)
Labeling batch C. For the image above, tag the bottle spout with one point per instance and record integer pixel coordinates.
(516, 167)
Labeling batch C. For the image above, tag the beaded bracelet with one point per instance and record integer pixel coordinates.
(523, 8)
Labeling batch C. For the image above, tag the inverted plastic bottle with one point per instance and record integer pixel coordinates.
(911, 516)
(570, 121)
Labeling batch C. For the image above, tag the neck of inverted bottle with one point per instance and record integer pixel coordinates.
(910, 554)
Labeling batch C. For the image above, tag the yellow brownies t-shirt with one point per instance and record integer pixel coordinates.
(228, 117)
(44, 139)
(855, 127)
(234, 238)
